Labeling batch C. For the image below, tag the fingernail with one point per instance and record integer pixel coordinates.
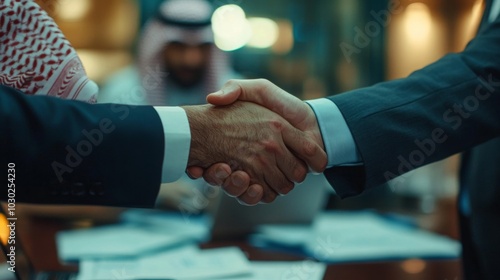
(218, 93)
(221, 174)
(252, 192)
(237, 181)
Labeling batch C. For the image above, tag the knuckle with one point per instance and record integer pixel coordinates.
(263, 81)
(233, 164)
(270, 146)
(276, 125)
(259, 160)
(267, 83)
(230, 83)
(263, 85)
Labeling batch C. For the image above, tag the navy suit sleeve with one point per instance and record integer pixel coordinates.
(445, 108)
(69, 152)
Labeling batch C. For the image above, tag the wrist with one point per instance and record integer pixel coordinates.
(198, 127)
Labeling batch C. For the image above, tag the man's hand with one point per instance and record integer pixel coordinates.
(292, 109)
(252, 139)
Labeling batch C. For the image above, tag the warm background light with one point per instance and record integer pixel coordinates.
(71, 10)
(94, 66)
(231, 28)
(4, 230)
(471, 22)
(415, 38)
(413, 266)
(102, 32)
(284, 43)
(418, 22)
(264, 32)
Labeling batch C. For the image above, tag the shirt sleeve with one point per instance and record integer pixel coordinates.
(177, 142)
(337, 137)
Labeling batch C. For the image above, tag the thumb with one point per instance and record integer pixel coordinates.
(261, 92)
(264, 93)
(226, 96)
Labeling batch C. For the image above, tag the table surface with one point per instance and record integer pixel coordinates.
(38, 234)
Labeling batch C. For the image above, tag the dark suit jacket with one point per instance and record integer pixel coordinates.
(450, 106)
(69, 152)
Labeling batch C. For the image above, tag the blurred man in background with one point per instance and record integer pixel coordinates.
(177, 64)
(177, 61)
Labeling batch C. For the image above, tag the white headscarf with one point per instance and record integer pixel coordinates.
(36, 58)
(186, 21)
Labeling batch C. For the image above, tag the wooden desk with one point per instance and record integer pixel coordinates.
(38, 237)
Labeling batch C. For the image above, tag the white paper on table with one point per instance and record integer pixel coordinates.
(288, 235)
(358, 236)
(344, 236)
(112, 241)
(181, 263)
(195, 227)
(285, 270)
(111, 269)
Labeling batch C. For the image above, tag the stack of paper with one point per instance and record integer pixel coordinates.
(112, 241)
(181, 263)
(192, 263)
(196, 227)
(357, 236)
(284, 270)
(141, 232)
(163, 246)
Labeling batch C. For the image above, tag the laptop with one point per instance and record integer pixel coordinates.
(232, 220)
(24, 269)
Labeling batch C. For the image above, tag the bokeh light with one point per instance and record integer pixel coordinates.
(265, 32)
(71, 10)
(231, 27)
(418, 21)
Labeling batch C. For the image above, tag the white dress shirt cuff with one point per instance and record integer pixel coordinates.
(337, 137)
(177, 142)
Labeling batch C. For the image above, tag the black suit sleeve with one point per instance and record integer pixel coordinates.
(447, 107)
(69, 152)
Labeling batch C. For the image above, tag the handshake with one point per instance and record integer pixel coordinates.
(256, 142)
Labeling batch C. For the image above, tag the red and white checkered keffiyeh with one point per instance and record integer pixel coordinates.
(157, 34)
(36, 58)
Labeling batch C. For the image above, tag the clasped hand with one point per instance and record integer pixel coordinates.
(256, 142)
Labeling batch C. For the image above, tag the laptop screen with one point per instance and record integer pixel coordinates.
(14, 263)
